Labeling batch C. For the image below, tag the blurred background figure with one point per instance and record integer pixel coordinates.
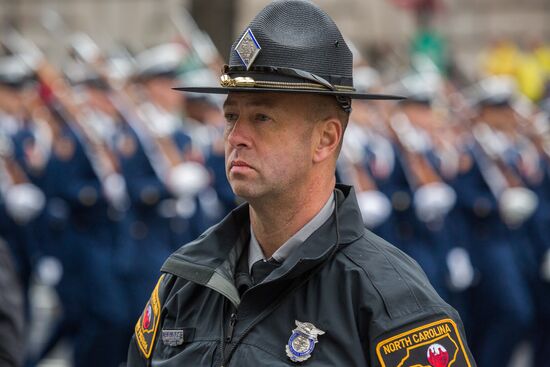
(497, 203)
(105, 170)
(12, 344)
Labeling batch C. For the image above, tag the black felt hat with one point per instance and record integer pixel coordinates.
(290, 46)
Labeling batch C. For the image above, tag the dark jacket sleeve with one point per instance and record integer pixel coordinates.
(415, 319)
(136, 357)
(405, 316)
(11, 312)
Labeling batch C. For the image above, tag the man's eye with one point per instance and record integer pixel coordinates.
(262, 118)
(231, 117)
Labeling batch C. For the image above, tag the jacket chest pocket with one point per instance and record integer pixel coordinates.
(175, 337)
(182, 340)
(182, 344)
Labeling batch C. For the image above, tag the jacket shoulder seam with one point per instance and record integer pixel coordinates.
(396, 270)
(374, 284)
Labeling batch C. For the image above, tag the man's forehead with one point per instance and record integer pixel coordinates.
(253, 99)
(266, 99)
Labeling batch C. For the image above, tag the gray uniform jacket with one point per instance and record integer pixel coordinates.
(345, 297)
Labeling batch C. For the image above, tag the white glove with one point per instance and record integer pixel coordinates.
(433, 201)
(114, 187)
(186, 207)
(517, 204)
(24, 202)
(375, 207)
(187, 179)
(161, 123)
(460, 267)
(49, 270)
(6, 145)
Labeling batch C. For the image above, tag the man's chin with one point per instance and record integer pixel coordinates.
(245, 190)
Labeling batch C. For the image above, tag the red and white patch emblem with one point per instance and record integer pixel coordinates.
(438, 355)
(147, 317)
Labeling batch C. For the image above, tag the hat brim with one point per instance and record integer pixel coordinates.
(353, 95)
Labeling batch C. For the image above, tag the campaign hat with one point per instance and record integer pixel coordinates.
(290, 46)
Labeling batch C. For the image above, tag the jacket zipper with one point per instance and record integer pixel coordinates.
(232, 322)
(226, 339)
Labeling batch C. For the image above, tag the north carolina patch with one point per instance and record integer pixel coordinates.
(146, 327)
(434, 344)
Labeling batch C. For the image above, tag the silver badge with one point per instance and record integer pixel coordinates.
(302, 341)
(248, 48)
(172, 337)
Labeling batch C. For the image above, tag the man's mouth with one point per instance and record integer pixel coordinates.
(239, 165)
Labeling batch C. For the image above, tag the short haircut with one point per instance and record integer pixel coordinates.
(324, 107)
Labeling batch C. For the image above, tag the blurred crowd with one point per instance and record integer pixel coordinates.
(105, 170)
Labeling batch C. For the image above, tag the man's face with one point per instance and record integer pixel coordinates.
(268, 143)
(98, 99)
(160, 89)
(422, 115)
(498, 117)
(10, 100)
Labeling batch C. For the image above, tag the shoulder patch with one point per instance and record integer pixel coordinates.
(147, 325)
(429, 344)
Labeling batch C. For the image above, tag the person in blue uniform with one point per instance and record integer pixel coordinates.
(164, 183)
(423, 200)
(205, 111)
(533, 237)
(90, 290)
(23, 198)
(537, 230)
(501, 304)
(14, 262)
(368, 159)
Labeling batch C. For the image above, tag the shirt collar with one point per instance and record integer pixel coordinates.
(255, 252)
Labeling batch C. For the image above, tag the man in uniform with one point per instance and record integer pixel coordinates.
(292, 276)
(496, 206)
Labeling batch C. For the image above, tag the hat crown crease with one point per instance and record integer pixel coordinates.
(299, 35)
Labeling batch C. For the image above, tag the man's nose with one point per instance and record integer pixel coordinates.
(239, 134)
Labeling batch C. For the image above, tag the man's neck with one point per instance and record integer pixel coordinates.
(278, 220)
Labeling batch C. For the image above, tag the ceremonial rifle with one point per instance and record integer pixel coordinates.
(64, 104)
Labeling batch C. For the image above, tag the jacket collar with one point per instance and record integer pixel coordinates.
(211, 259)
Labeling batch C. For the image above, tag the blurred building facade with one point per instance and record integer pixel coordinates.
(468, 25)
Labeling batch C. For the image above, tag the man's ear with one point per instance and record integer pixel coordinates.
(328, 135)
